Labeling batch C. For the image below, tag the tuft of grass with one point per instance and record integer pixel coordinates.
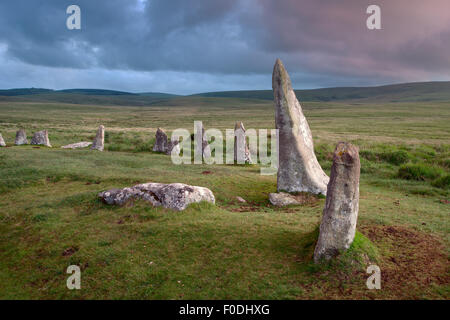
(361, 249)
(396, 157)
(419, 172)
(442, 182)
(361, 252)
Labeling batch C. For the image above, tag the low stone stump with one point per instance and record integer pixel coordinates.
(2, 142)
(41, 138)
(21, 138)
(99, 141)
(176, 196)
(164, 144)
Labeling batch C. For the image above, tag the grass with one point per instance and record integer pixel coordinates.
(420, 172)
(50, 216)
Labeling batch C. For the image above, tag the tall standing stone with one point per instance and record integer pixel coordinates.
(41, 138)
(298, 168)
(241, 151)
(21, 138)
(99, 141)
(338, 226)
(2, 142)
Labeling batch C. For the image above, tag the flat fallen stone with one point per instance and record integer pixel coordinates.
(176, 196)
(2, 142)
(41, 138)
(21, 138)
(282, 199)
(77, 145)
(298, 168)
(99, 141)
(338, 225)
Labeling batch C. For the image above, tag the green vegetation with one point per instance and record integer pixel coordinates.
(361, 253)
(442, 182)
(419, 172)
(50, 216)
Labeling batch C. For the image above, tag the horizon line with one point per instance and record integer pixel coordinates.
(244, 90)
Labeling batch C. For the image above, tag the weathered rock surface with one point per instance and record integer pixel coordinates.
(77, 145)
(41, 138)
(338, 226)
(2, 142)
(163, 144)
(298, 168)
(21, 138)
(99, 141)
(241, 151)
(173, 146)
(175, 196)
(282, 199)
(161, 141)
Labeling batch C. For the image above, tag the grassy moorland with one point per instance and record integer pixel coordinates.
(51, 218)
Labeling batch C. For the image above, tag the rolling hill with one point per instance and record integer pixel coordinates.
(407, 92)
(419, 91)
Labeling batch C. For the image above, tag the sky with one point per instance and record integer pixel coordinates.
(192, 46)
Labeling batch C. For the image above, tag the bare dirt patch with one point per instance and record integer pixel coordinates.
(69, 251)
(412, 261)
(413, 264)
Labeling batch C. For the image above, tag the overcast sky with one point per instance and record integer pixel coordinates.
(190, 46)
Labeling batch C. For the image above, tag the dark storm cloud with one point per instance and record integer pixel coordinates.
(322, 42)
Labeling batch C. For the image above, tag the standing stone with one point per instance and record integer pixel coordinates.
(298, 168)
(99, 141)
(202, 147)
(161, 141)
(2, 142)
(163, 144)
(173, 145)
(41, 138)
(338, 226)
(206, 147)
(241, 152)
(21, 138)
